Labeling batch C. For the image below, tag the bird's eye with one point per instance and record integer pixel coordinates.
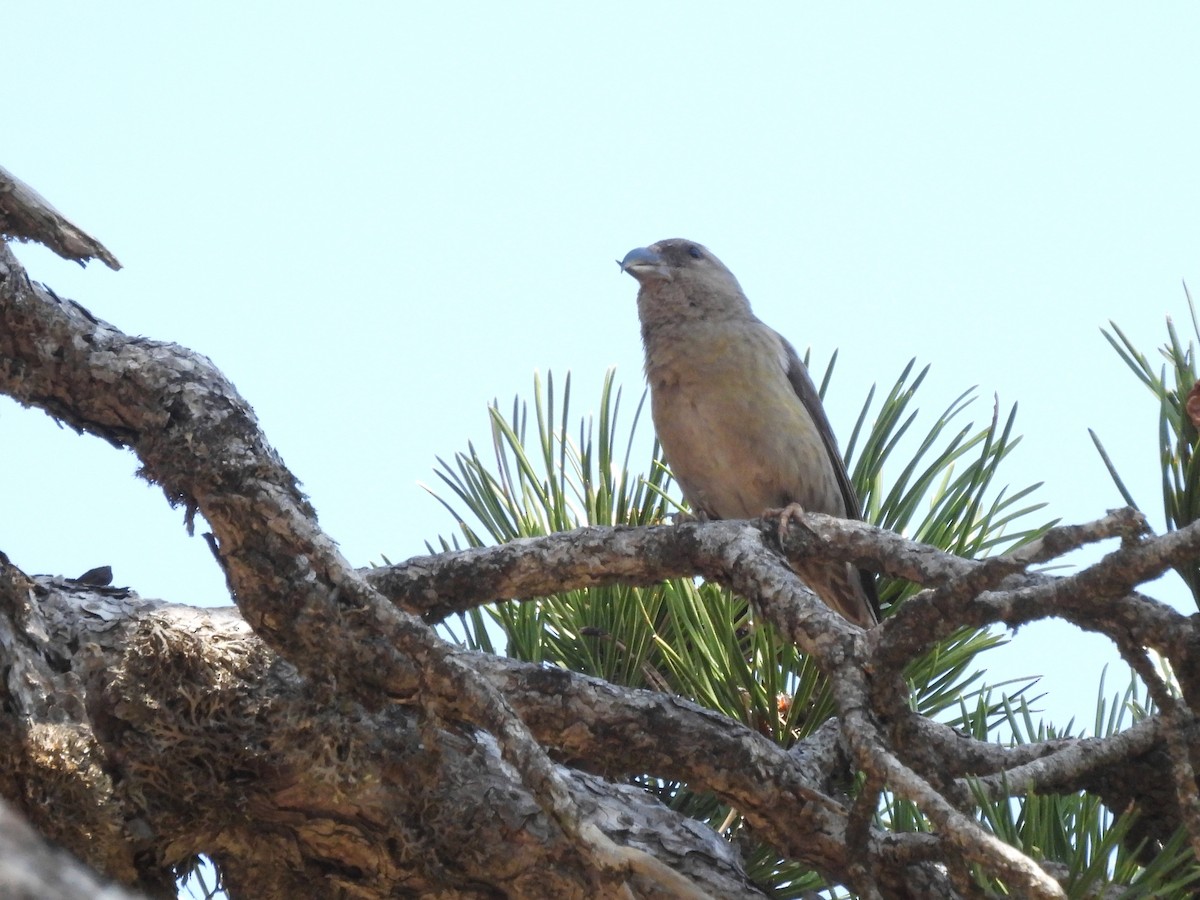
(694, 252)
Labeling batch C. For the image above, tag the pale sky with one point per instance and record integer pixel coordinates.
(376, 218)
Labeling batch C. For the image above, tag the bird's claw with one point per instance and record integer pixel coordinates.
(786, 515)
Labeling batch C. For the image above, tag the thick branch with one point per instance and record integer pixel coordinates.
(209, 743)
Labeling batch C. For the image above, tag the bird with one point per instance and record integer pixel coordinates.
(736, 413)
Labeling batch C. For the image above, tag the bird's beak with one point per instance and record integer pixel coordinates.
(643, 263)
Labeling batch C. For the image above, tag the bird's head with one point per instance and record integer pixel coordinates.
(680, 278)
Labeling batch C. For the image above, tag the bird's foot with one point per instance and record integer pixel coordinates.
(786, 515)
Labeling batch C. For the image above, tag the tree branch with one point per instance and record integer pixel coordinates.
(26, 216)
(347, 659)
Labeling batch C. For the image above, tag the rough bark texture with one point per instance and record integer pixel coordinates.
(26, 216)
(181, 731)
(337, 747)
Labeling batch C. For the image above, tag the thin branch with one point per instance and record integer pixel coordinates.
(963, 833)
(1066, 766)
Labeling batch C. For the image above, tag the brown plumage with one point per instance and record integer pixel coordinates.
(738, 417)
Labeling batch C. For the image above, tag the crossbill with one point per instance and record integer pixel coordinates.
(739, 419)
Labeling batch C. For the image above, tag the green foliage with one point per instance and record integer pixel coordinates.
(701, 642)
(949, 482)
(697, 640)
(1177, 436)
(1090, 846)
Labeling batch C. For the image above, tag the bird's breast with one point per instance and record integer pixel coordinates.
(734, 432)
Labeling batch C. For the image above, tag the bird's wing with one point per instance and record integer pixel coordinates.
(802, 383)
